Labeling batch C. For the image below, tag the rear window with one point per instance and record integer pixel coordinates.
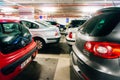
(52, 23)
(9, 27)
(101, 25)
(43, 24)
(76, 23)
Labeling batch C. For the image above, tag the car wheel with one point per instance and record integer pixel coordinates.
(40, 43)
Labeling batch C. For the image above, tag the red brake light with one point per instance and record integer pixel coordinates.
(70, 35)
(104, 49)
(56, 33)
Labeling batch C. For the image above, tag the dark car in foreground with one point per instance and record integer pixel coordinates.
(96, 53)
(17, 48)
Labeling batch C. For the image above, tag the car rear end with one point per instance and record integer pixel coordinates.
(17, 48)
(49, 33)
(95, 55)
(53, 35)
(70, 37)
(71, 31)
(13, 63)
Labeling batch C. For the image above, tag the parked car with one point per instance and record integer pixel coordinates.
(42, 32)
(72, 29)
(61, 27)
(96, 53)
(17, 48)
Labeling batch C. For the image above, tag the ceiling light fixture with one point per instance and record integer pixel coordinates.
(48, 9)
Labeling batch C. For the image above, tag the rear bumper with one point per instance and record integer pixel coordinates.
(53, 40)
(82, 69)
(14, 68)
(70, 41)
(74, 70)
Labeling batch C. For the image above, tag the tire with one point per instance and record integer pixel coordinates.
(40, 43)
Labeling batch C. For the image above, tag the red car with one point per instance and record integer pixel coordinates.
(17, 48)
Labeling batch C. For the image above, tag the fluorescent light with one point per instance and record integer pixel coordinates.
(90, 9)
(8, 9)
(48, 9)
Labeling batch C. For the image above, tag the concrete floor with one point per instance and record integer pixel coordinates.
(53, 63)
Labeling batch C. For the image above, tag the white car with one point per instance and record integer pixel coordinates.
(70, 37)
(43, 33)
(72, 29)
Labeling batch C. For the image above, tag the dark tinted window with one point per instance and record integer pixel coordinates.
(76, 23)
(30, 25)
(13, 36)
(10, 27)
(52, 23)
(101, 25)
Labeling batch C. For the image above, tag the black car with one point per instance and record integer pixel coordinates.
(76, 23)
(60, 26)
(96, 53)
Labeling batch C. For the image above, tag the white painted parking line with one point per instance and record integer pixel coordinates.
(63, 69)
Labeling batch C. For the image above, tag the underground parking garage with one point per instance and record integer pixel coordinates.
(50, 64)
(59, 40)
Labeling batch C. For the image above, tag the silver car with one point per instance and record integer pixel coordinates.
(42, 32)
(72, 29)
(96, 52)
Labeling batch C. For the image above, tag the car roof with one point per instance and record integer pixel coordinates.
(107, 10)
(8, 20)
(110, 9)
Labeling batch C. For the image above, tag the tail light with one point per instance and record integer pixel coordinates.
(70, 35)
(56, 33)
(103, 49)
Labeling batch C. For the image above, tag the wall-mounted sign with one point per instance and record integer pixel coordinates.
(67, 20)
(40, 17)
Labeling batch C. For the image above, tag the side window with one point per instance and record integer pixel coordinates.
(34, 26)
(27, 24)
(30, 25)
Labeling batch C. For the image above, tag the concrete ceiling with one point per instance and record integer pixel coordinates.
(63, 7)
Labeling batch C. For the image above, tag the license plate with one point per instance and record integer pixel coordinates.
(25, 62)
